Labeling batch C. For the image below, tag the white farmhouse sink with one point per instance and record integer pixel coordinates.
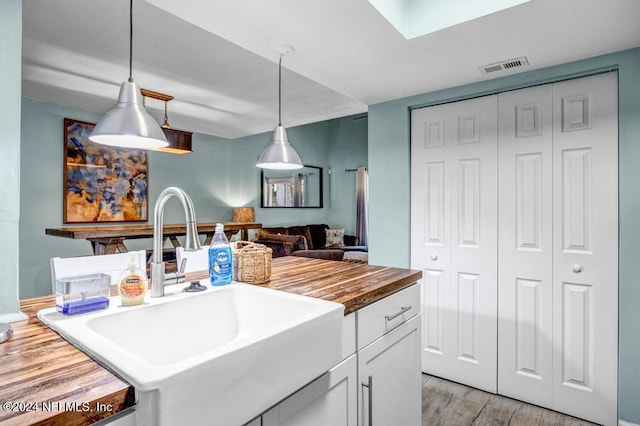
(220, 357)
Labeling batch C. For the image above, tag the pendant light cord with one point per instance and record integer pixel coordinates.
(280, 92)
(130, 41)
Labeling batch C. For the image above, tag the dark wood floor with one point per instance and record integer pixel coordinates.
(446, 403)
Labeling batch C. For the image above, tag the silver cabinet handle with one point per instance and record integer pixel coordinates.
(402, 310)
(434, 257)
(577, 268)
(369, 386)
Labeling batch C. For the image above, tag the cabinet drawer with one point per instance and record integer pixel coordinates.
(384, 315)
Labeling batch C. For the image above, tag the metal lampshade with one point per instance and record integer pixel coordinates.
(128, 124)
(279, 154)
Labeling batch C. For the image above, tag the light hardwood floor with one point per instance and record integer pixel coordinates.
(447, 403)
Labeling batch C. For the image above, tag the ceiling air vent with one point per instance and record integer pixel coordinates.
(505, 65)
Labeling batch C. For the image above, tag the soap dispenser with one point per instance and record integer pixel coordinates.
(220, 258)
(132, 285)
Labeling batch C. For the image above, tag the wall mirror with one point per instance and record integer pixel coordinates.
(291, 188)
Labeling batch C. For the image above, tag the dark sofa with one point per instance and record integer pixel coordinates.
(315, 236)
(295, 245)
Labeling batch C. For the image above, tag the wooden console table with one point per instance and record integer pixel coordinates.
(110, 239)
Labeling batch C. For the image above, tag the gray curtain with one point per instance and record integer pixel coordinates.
(362, 202)
(299, 186)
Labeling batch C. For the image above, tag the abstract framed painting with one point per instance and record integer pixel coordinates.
(102, 183)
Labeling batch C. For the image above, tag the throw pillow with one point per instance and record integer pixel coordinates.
(335, 237)
(298, 242)
(266, 231)
(318, 236)
(304, 231)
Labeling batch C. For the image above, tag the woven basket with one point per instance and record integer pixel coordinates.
(251, 262)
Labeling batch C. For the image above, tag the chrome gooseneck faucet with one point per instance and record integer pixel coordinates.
(158, 276)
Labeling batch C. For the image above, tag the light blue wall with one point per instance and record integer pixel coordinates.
(311, 143)
(10, 81)
(348, 150)
(389, 176)
(344, 145)
(220, 174)
(204, 174)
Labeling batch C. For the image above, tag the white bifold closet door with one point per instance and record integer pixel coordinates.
(558, 246)
(514, 223)
(454, 237)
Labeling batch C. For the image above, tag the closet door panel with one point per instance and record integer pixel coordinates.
(431, 228)
(434, 310)
(525, 245)
(430, 197)
(586, 247)
(474, 242)
(453, 215)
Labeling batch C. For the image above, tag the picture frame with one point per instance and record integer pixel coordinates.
(102, 183)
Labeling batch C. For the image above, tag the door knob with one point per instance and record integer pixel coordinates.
(577, 268)
(434, 257)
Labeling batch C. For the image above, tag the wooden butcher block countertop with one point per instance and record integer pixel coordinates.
(44, 380)
(353, 285)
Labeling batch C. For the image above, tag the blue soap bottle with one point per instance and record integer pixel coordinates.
(220, 258)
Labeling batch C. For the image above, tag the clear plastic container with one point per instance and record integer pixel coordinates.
(82, 293)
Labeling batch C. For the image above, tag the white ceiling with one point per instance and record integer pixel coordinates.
(219, 64)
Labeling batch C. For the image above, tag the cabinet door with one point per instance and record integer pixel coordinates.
(329, 400)
(390, 378)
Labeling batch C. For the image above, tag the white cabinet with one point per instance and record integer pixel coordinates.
(389, 373)
(390, 378)
(380, 373)
(328, 400)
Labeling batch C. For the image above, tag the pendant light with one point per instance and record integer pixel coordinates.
(128, 124)
(165, 124)
(179, 141)
(279, 154)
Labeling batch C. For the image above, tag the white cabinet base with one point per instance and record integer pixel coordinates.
(328, 400)
(390, 378)
(387, 361)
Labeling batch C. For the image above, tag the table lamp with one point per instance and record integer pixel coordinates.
(244, 214)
